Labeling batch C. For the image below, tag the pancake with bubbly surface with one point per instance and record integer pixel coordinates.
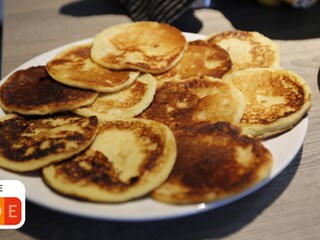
(28, 144)
(197, 99)
(145, 46)
(276, 100)
(127, 160)
(248, 49)
(124, 104)
(33, 92)
(74, 67)
(200, 59)
(214, 161)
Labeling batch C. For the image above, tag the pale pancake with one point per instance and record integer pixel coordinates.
(146, 46)
(214, 161)
(276, 100)
(124, 104)
(28, 144)
(127, 160)
(200, 59)
(248, 49)
(197, 99)
(33, 92)
(74, 67)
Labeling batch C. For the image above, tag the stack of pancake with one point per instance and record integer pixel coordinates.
(141, 111)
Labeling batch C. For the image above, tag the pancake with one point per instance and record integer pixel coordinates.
(276, 100)
(74, 67)
(248, 49)
(33, 92)
(145, 46)
(197, 99)
(124, 104)
(28, 144)
(200, 59)
(127, 160)
(214, 161)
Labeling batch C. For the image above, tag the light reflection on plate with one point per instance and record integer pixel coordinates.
(283, 148)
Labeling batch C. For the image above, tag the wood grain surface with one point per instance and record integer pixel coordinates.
(286, 208)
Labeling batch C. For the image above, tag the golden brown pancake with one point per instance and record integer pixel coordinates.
(33, 92)
(197, 99)
(248, 49)
(28, 144)
(200, 59)
(146, 46)
(127, 160)
(126, 103)
(214, 161)
(74, 67)
(276, 100)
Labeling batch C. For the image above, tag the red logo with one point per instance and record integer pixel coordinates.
(12, 204)
(10, 209)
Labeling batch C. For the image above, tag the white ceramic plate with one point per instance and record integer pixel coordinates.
(147, 209)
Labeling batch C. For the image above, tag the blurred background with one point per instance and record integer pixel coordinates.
(278, 19)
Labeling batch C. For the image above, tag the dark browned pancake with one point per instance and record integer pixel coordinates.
(33, 92)
(28, 144)
(196, 99)
(128, 159)
(214, 161)
(200, 59)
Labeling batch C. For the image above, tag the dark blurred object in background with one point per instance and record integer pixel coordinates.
(169, 10)
(282, 22)
(155, 10)
(293, 3)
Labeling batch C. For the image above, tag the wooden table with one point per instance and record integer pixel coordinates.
(286, 208)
